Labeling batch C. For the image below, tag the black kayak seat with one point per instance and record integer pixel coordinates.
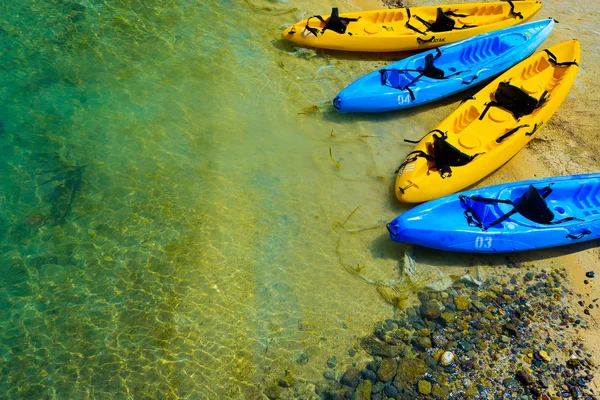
(430, 70)
(443, 23)
(336, 23)
(445, 154)
(397, 78)
(515, 99)
(533, 206)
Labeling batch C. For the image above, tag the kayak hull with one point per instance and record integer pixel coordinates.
(443, 224)
(482, 135)
(389, 30)
(465, 64)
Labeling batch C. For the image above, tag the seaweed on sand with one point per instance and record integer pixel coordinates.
(411, 278)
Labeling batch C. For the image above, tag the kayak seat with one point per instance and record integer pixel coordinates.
(514, 100)
(392, 77)
(334, 23)
(532, 206)
(443, 23)
(442, 154)
(445, 155)
(430, 70)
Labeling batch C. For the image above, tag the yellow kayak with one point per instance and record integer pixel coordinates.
(408, 28)
(489, 129)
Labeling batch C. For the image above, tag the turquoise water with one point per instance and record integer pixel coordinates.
(169, 214)
(181, 208)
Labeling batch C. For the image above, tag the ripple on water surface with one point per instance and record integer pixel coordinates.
(164, 232)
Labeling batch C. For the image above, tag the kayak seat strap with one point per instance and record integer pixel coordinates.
(512, 12)
(391, 77)
(553, 60)
(411, 157)
(446, 155)
(442, 154)
(334, 23)
(409, 25)
(531, 205)
(442, 23)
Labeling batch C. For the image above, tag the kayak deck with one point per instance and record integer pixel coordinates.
(508, 217)
(486, 131)
(434, 74)
(408, 28)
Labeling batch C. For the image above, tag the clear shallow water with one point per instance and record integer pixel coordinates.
(170, 212)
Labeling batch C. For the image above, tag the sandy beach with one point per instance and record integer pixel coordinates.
(569, 144)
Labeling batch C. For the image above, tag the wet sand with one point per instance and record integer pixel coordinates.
(568, 144)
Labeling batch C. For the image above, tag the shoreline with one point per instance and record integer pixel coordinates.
(512, 336)
(534, 161)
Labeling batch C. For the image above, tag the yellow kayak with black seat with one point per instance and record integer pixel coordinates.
(407, 28)
(487, 130)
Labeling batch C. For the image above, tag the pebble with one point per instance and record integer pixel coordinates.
(467, 365)
(368, 375)
(529, 276)
(461, 302)
(330, 375)
(524, 378)
(424, 387)
(447, 358)
(390, 391)
(389, 325)
(448, 317)
(589, 274)
(301, 357)
(510, 383)
(372, 365)
(332, 361)
(463, 338)
(378, 387)
(387, 369)
(423, 297)
(431, 309)
(351, 377)
(288, 380)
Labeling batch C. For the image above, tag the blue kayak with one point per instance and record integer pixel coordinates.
(509, 217)
(438, 73)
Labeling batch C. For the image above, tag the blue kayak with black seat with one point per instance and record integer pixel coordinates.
(510, 217)
(443, 71)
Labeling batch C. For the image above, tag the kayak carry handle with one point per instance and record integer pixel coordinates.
(582, 234)
(389, 228)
